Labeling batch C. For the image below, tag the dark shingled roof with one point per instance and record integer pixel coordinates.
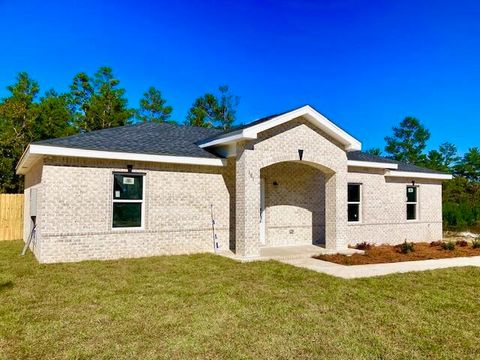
(362, 156)
(145, 138)
(178, 140)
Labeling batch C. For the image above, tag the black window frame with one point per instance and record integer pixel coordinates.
(134, 199)
(354, 204)
(411, 204)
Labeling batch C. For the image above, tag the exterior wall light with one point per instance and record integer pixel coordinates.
(129, 168)
(300, 154)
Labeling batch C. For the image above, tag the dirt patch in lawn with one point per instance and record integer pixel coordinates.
(387, 253)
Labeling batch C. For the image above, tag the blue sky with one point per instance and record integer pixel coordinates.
(363, 64)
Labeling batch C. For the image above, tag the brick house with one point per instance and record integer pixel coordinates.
(288, 179)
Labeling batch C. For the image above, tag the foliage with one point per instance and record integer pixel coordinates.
(476, 243)
(442, 159)
(406, 247)
(25, 118)
(448, 245)
(374, 151)
(98, 102)
(153, 107)
(363, 246)
(408, 142)
(469, 166)
(212, 110)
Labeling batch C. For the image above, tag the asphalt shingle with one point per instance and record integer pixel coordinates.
(178, 140)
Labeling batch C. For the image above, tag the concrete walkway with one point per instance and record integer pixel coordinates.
(361, 271)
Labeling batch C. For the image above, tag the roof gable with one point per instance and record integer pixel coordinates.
(251, 131)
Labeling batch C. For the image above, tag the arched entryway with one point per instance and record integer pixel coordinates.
(292, 204)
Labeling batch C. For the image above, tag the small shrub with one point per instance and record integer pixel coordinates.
(363, 246)
(461, 243)
(436, 243)
(476, 243)
(448, 245)
(406, 247)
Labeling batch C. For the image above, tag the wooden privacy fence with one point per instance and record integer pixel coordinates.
(11, 216)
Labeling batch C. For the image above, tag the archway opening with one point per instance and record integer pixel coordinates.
(292, 204)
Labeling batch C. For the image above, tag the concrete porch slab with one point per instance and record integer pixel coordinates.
(288, 253)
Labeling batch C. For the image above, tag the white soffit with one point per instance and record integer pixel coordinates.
(418, 175)
(317, 119)
(371, 164)
(34, 152)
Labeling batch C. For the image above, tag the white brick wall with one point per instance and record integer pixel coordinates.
(76, 214)
(384, 210)
(75, 202)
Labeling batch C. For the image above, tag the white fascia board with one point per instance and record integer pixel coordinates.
(98, 154)
(371, 164)
(249, 133)
(418, 175)
(233, 138)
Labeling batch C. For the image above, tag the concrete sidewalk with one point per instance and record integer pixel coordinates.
(361, 271)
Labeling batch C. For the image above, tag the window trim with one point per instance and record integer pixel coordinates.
(359, 203)
(416, 203)
(142, 220)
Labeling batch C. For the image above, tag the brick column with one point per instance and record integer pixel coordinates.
(336, 210)
(247, 204)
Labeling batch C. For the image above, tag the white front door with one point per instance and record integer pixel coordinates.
(262, 212)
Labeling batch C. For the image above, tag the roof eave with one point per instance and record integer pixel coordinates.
(418, 175)
(34, 152)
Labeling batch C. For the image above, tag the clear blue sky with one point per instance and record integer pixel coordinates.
(364, 64)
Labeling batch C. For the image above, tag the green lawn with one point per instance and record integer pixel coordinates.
(205, 306)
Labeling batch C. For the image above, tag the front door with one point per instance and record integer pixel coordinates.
(262, 212)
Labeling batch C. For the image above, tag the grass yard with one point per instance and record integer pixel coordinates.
(205, 306)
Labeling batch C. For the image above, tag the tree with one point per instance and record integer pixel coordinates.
(442, 159)
(374, 151)
(98, 102)
(153, 108)
(469, 165)
(17, 124)
(212, 110)
(408, 141)
(54, 116)
(25, 118)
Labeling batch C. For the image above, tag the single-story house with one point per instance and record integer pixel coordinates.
(288, 179)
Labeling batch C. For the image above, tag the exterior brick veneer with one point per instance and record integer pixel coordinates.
(309, 204)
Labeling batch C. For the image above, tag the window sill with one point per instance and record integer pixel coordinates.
(127, 229)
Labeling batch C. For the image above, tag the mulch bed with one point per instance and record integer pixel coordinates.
(387, 254)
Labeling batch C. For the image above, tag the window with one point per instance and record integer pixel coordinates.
(127, 201)
(412, 202)
(354, 201)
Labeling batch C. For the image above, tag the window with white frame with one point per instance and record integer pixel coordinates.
(412, 202)
(127, 201)
(354, 202)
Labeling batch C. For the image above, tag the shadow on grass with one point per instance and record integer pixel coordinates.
(6, 285)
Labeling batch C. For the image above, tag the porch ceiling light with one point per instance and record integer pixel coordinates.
(300, 154)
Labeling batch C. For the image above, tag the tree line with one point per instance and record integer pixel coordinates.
(93, 102)
(461, 195)
(97, 101)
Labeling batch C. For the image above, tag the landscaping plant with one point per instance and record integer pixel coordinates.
(448, 245)
(476, 243)
(406, 247)
(363, 246)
